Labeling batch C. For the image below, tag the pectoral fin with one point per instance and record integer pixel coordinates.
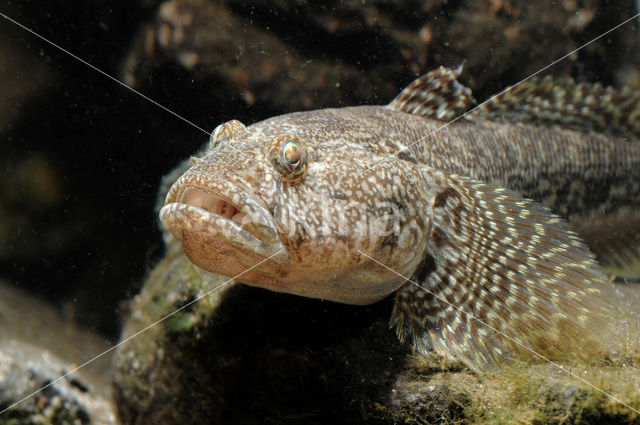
(501, 275)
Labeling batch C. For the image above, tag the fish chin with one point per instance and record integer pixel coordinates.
(221, 246)
(226, 231)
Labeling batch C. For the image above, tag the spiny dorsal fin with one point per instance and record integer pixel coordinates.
(436, 94)
(561, 102)
(512, 264)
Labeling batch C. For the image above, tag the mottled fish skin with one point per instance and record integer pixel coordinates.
(344, 222)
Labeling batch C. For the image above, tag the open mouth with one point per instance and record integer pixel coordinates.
(220, 215)
(223, 228)
(214, 204)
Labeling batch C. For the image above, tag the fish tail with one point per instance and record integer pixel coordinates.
(501, 276)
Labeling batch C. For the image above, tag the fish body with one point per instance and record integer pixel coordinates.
(355, 204)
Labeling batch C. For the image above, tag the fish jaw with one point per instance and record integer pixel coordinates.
(222, 228)
(221, 246)
(227, 230)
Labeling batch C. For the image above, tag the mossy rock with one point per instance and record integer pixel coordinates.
(246, 355)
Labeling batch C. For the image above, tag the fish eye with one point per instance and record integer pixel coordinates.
(288, 156)
(291, 155)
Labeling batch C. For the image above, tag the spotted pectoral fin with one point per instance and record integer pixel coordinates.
(561, 102)
(615, 240)
(501, 275)
(436, 94)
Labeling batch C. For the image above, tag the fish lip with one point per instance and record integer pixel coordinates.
(258, 234)
(179, 218)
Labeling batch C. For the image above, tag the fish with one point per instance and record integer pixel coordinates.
(479, 221)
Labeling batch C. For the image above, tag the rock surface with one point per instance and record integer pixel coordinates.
(244, 355)
(24, 369)
(36, 350)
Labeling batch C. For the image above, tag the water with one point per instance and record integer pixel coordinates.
(82, 156)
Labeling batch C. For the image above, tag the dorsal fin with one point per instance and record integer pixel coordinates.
(561, 102)
(436, 94)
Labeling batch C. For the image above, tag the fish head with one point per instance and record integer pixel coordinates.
(288, 208)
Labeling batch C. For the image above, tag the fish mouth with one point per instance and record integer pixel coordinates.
(219, 219)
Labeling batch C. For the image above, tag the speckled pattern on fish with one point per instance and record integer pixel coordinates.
(355, 204)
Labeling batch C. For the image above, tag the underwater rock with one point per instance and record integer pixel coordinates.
(27, 325)
(25, 368)
(245, 355)
(287, 55)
